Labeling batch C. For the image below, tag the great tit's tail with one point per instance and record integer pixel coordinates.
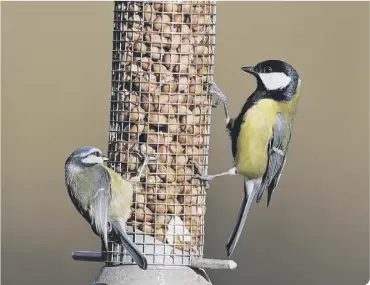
(249, 194)
(135, 253)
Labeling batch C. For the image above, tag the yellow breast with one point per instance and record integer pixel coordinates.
(255, 133)
(122, 197)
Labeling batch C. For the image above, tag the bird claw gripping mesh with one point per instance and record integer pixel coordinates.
(214, 90)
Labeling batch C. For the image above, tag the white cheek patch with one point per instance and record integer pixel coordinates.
(275, 80)
(83, 154)
(92, 159)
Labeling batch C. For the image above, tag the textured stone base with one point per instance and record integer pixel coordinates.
(154, 275)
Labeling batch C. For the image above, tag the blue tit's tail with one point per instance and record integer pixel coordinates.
(135, 253)
(249, 194)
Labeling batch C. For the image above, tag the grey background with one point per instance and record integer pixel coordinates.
(56, 62)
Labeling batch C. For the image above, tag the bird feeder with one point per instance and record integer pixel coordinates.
(162, 64)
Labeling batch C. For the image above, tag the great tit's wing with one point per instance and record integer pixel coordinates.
(101, 197)
(277, 153)
(274, 182)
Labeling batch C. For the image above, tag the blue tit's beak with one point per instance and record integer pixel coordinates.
(105, 158)
(249, 69)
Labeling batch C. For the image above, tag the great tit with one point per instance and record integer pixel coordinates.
(260, 134)
(102, 196)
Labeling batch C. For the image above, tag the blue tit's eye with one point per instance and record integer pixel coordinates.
(267, 69)
(97, 153)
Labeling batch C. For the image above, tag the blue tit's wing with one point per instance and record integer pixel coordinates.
(100, 200)
(76, 202)
(277, 153)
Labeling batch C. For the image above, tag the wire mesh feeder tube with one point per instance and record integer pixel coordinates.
(163, 55)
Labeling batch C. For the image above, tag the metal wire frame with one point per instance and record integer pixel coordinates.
(163, 58)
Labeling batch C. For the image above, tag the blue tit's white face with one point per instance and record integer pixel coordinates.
(86, 156)
(91, 157)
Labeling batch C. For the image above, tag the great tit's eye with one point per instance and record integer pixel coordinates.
(267, 69)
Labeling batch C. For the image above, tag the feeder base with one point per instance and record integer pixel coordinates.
(154, 275)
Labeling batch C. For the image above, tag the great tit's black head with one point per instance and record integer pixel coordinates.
(274, 75)
(86, 156)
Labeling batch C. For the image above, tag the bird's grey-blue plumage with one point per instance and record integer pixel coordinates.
(277, 153)
(91, 193)
(102, 197)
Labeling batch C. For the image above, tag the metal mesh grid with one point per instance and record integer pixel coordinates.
(163, 54)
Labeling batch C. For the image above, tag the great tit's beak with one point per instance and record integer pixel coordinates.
(249, 69)
(105, 158)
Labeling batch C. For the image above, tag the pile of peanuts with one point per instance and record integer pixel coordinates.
(162, 108)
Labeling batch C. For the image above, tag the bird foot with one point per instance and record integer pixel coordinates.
(147, 158)
(204, 177)
(214, 90)
(135, 179)
(137, 151)
(152, 156)
(200, 174)
(231, 172)
(221, 100)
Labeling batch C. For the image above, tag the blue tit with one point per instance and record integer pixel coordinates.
(260, 134)
(102, 197)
